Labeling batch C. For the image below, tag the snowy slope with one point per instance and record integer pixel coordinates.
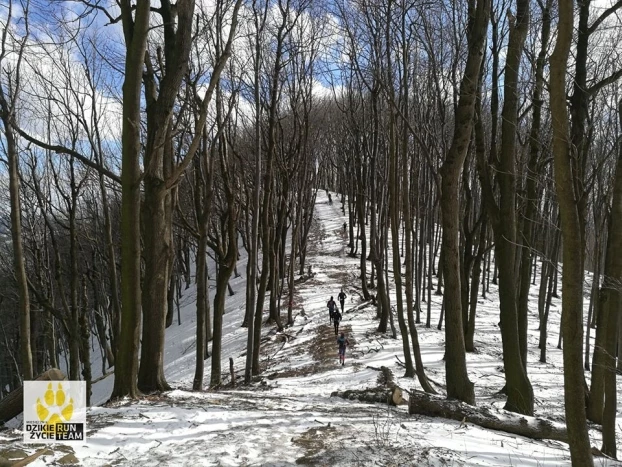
(289, 417)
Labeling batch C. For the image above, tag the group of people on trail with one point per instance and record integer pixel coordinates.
(333, 313)
(335, 318)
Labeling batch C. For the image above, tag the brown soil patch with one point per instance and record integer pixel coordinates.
(313, 441)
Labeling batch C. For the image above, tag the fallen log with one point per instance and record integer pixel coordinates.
(499, 420)
(392, 396)
(372, 395)
(435, 406)
(13, 404)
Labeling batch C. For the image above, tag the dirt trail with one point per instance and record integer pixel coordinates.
(324, 347)
(323, 246)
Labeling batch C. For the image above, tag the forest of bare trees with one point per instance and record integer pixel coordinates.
(147, 147)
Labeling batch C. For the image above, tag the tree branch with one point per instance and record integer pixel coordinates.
(608, 12)
(592, 90)
(63, 150)
(218, 68)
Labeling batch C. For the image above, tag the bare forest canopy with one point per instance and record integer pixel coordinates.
(150, 146)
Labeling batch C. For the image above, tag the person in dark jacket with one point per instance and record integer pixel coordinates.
(336, 320)
(343, 342)
(331, 308)
(342, 299)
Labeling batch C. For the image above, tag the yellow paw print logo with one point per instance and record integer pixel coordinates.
(55, 408)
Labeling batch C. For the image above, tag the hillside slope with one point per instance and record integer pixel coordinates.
(288, 417)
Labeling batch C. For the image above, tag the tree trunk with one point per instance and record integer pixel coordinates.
(202, 285)
(156, 234)
(458, 384)
(254, 240)
(572, 299)
(360, 205)
(227, 256)
(394, 219)
(265, 270)
(275, 273)
(547, 279)
(85, 348)
(74, 284)
(610, 302)
(219, 306)
(160, 177)
(8, 99)
(18, 249)
(480, 150)
(126, 365)
(518, 387)
(112, 269)
(291, 269)
(170, 298)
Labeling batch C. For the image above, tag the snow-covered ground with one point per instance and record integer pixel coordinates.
(289, 416)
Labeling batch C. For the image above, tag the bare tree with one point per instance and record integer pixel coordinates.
(572, 279)
(503, 216)
(135, 30)
(610, 301)
(458, 384)
(10, 81)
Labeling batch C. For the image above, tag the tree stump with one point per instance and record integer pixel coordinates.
(396, 396)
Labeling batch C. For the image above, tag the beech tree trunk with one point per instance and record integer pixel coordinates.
(16, 239)
(135, 28)
(572, 279)
(458, 384)
(251, 268)
(7, 102)
(513, 330)
(227, 253)
(610, 302)
(160, 98)
(202, 285)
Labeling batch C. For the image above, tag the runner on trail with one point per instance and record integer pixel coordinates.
(331, 308)
(343, 343)
(336, 319)
(342, 299)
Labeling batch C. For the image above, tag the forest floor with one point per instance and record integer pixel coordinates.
(288, 416)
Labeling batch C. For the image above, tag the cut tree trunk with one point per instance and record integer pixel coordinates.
(13, 404)
(501, 420)
(435, 406)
